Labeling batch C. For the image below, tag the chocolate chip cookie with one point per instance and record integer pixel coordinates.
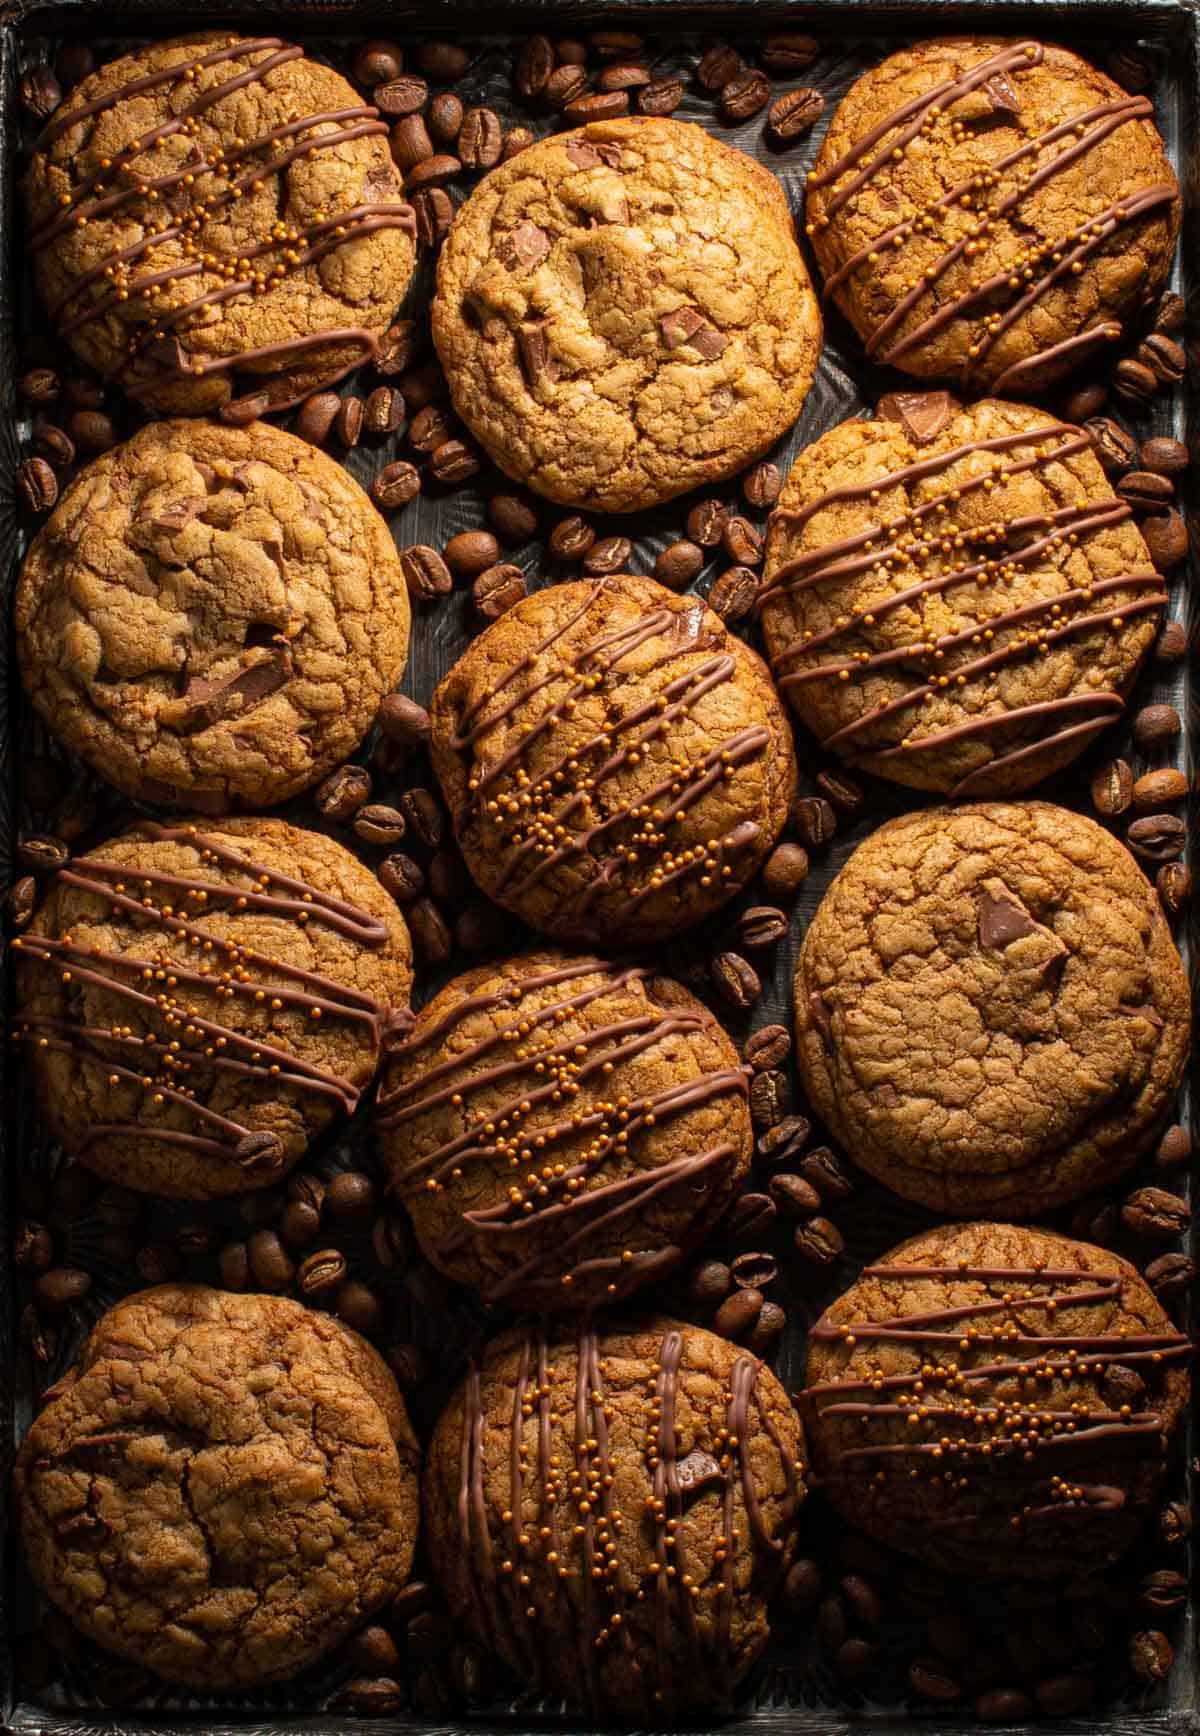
(991, 212)
(990, 1010)
(196, 1002)
(215, 1495)
(623, 313)
(608, 1512)
(217, 215)
(211, 615)
(996, 1400)
(563, 1130)
(616, 764)
(953, 595)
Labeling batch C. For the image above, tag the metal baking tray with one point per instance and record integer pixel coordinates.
(794, 1688)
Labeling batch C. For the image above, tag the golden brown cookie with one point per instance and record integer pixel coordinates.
(990, 1011)
(615, 762)
(996, 1400)
(623, 313)
(608, 1513)
(217, 215)
(991, 211)
(211, 615)
(953, 596)
(208, 1508)
(197, 1001)
(562, 1130)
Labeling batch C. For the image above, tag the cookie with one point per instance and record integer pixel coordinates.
(996, 1400)
(208, 1508)
(198, 1001)
(991, 212)
(990, 1011)
(211, 615)
(608, 1512)
(217, 215)
(616, 763)
(611, 1092)
(623, 313)
(953, 596)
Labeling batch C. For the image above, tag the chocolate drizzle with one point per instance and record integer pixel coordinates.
(178, 1050)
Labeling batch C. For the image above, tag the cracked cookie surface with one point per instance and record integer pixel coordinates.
(990, 1010)
(615, 762)
(197, 1001)
(990, 211)
(211, 615)
(610, 1473)
(626, 1106)
(214, 215)
(219, 1507)
(996, 1399)
(623, 313)
(953, 597)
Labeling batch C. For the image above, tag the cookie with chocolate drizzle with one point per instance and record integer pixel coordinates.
(197, 1001)
(211, 615)
(218, 214)
(616, 763)
(953, 596)
(996, 1400)
(608, 1510)
(991, 212)
(563, 1130)
(990, 1010)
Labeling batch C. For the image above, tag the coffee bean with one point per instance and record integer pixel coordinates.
(470, 552)
(377, 823)
(839, 788)
(1163, 1591)
(435, 171)
(516, 140)
(20, 902)
(1171, 1276)
(733, 593)
(565, 84)
(431, 427)
(795, 113)
(1165, 359)
(1166, 537)
(863, 1600)
(767, 1330)
(1152, 1211)
(84, 391)
(933, 1681)
(784, 1142)
(767, 1047)
(833, 1623)
(372, 1696)
(745, 94)
(396, 484)
(358, 1307)
(425, 573)
(785, 870)
(372, 1651)
(444, 118)
(443, 61)
(738, 1313)
(795, 1197)
(497, 589)
(41, 853)
(158, 1263)
(343, 792)
(762, 925)
(350, 1197)
(391, 1241)
(480, 139)
(383, 412)
(761, 485)
(1131, 68)
(37, 485)
(1164, 456)
(321, 1272)
(679, 564)
(615, 44)
(609, 555)
(481, 928)
(735, 980)
(425, 815)
(597, 106)
(431, 934)
(1003, 1706)
(1146, 491)
(815, 820)
(770, 1099)
(33, 1247)
(233, 1263)
(534, 64)
(1157, 837)
(348, 423)
(755, 1271)
(300, 1224)
(1134, 383)
(315, 417)
(1116, 450)
(270, 1263)
(717, 66)
(1085, 402)
(513, 517)
(571, 538)
(709, 1283)
(818, 1241)
(61, 1287)
(400, 876)
(750, 1218)
(662, 96)
(434, 213)
(1159, 789)
(404, 95)
(1171, 313)
(51, 442)
(1122, 1385)
(624, 75)
(417, 1598)
(1151, 1655)
(706, 523)
(741, 542)
(787, 52)
(40, 92)
(1174, 1523)
(1174, 1148)
(802, 1584)
(402, 720)
(1112, 788)
(377, 61)
(39, 385)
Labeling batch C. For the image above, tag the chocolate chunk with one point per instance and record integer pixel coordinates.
(686, 326)
(538, 363)
(1001, 922)
(922, 414)
(818, 1012)
(207, 702)
(527, 246)
(173, 516)
(1002, 94)
(699, 1470)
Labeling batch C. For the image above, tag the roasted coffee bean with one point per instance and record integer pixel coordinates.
(513, 517)
(735, 980)
(571, 538)
(516, 140)
(755, 1271)
(427, 1627)
(37, 485)
(158, 1263)
(39, 385)
(315, 417)
(33, 1247)
(767, 1329)
(378, 823)
(1151, 1655)
(383, 412)
(348, 423)
(1163, 1591)
(358, 1307)
(747, 93)
(795, 113)
(795, 1197)
(1159, 789)
(433, 210)
(1175, 1523)
(761, 484)
(20, 903)
(270, 1263)
(1157, 837)
(41, 853)
(343, 792)
(785, 870)
(615, 44)
(930, 1678)
(679, 564)
(565, 84)
(1171, 1276)
(609, 555)
(84, 391)
(408, 1364)
(233, 1264)
(767, 1047)
(445, 118)
(61, 1287)
(431, 427)
(94, 432)
(1131, 68)
(762, 925)
(1166, 359)
(770, 1099)
(1146, 491)
(321, 1272)
(1116, 450)
(471, 1671)
(470, 552)
(1152, 1211)
(51, 442)
(784, 1142)
(1166, 537)
(391, 1241)
(855, 1658)
(815, 820)
(750, 1218)
(1134, 383)
(424, 385)
(662, 96)
(534, 64)
(802, 1585)
(300, 1224)
(787, 52)
(425, 815)
(839, 788)
(443, 61)
(436, 171)
(400, 876)
(1155, 725)
(372, 1651)
(425, 573)
(741, 542)
(431, 934)
(1174, 1148)
(833, 1623)
(480, 139)
(733, 593)
(706, 523)
(738, 1313)
(377, 61)
(41, 92)
(709, 1283)
(76, 814)
(372, 1696)
(1085, 402)
(1112, 789)
(395, 348)
(194, 1239)
(405, 95)
(863, 1600)
(403, 720)
(480, 928)
(497, 589)
(1163, 456)
(350, 1197)
(396, 484)
(596, 105)
(818, 1241)
(717, 66)
(1171, 313)
(1003, 1706)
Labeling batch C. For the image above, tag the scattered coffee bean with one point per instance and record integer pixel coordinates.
(343, 792)
(1134, 383)
(41, 853)
(1112, 789)
(785, 870)
(403, 720)
(315, 417)
(709, 1283)
(787, 52)
(1171, 313)
(513, 517)
(1166, 537)
(372, 1696)
(534, 64)
(1154, 725)
(662, 96)
(306, 1189)
(1175, 1523)
(61, 1287)
(425, 815)
(391, 1241)
(1163, 455)
(596, 105)
(37, 485)
(767, 1047)
(358, 1307)
(470, 552)
(444, 118)
(350, 1197)
(1003, 1706)
(480, 139)
(377, 61)
(735, 980)
(750, 1218)
(158, 1263)
(839, 788)
(51, 442)
(770, 1099)
(383, 412)
(1116, 450)
(1122, 1385)
(233, 1264)
(795, 1197)
(747, 93)
(855, 1658)
(1165, 359)
(497, 588)
(425, 573)
(348, 423)
(431, 427)
(784, 1142)
(1157, 837)
(39, 385)
(1085, 402)
(395, 348)
(431, 934)
(741, 542)
(1174, 1148)
(270, 1263)
(833, 1623)
(405, 95)
(1152, 1211)
(571, 538)
(443, 61)
(33, 1247)
(516, 140)
(755, 1271)
(1159, 789)
(818, 1241)
(761, 484)
(815, 820)
(1171, 1276)
(738, 1313)
(20, 903)
(733, 593)
(1163, 1592)
(377, 823)
(372, 1651)
(300, 1225)
(396, 484)
(240, 412)
(679, 564)
(424, 385)
(321, 1272)
(795, 113)
(609, 555)
(40, 91)
(565, 84)
(718, 65)
(615, 44)
(762, 925)
(706, 523)
(802, 1585)
(933, 1681)
(863, 1600)
(84, 391)
(434, 213)
(1151, 1655)
(767, 1329)
(400, 876)
(1146, 491)
(432, 172)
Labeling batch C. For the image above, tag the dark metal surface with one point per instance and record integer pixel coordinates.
(795, 1690)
